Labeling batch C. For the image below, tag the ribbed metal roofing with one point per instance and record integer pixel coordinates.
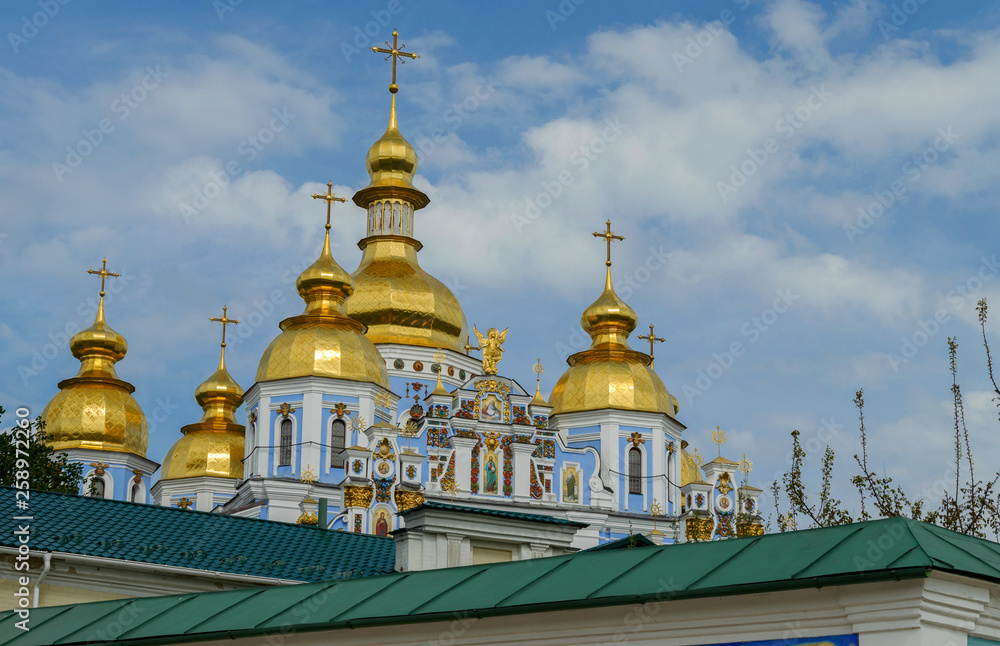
(890, 549)
(193, 539)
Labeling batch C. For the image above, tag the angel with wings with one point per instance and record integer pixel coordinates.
(490, 345)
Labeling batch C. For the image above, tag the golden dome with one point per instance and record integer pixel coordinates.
(212, 446)
(401, 303)
(391, 160)
(323, 341)
(610, 374)
(397, 300)
(95, 409)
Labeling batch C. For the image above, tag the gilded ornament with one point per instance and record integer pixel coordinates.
(491, 347)
(719, 438)
(357, 423)
(308, 476)
(749, 529)
(285, 410)
(184, 503)
(697, 459)
(355, 496)
(383, 399)
(99, 467)
(492, 441)
(746, 466)
(137, 478)
(408, 499)
(308, 519)
(725, 484)
(636, 438)
(698, 529)
(383, 451)
(340, 409)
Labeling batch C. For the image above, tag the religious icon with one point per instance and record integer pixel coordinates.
(491, 473)
(490, 345)
(571, 486)
(491, 411)
(382, 525)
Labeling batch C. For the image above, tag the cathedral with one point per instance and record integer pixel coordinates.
(369, 413)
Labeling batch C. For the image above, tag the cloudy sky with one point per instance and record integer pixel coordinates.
(807, 192)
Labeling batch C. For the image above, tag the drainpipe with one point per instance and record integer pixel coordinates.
(322, 513)
(46, 566)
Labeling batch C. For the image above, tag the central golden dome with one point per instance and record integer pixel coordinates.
(212, 446)
(95, 409)
(393, 297)
(610, 374)
(323, 341)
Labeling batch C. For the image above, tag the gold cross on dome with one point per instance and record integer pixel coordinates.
(395, 52)
(609, 237)
(225, 320)
(652, 338)
(329, 198)
(103, 273)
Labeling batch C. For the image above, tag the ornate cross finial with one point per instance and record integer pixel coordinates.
(719, 438)
(308, 475)
(329, 198)
(285, 410)
(746, 466)
(470, 347)
(609, 237)
(395, 52)
(224, 320)
(539, 369)
(652, 338)
(103, 273)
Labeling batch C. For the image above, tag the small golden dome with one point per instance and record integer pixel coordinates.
(610, 374)
(95, 409)
(391, 160)
(212, 446)
(689, 470)
(323, 341)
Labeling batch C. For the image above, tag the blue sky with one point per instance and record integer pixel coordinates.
(803, 187)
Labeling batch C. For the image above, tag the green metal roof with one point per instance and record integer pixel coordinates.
(880, 550)
(193, 539)
(625, 542)
(538, 518)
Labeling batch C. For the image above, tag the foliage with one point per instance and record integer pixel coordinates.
(26, 451)
(972, 507)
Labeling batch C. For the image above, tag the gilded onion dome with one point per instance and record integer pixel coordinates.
(95, 409)
(610, 374)
(212, 446)
(323, 341)
(397, 300)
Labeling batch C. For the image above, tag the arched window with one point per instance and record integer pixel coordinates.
(634, 470)
(97, 487)
(285, 450)
(134, 495)
(338, 442)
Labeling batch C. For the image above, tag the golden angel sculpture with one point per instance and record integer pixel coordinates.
(490, 345)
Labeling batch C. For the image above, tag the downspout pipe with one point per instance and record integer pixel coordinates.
(46, 566)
